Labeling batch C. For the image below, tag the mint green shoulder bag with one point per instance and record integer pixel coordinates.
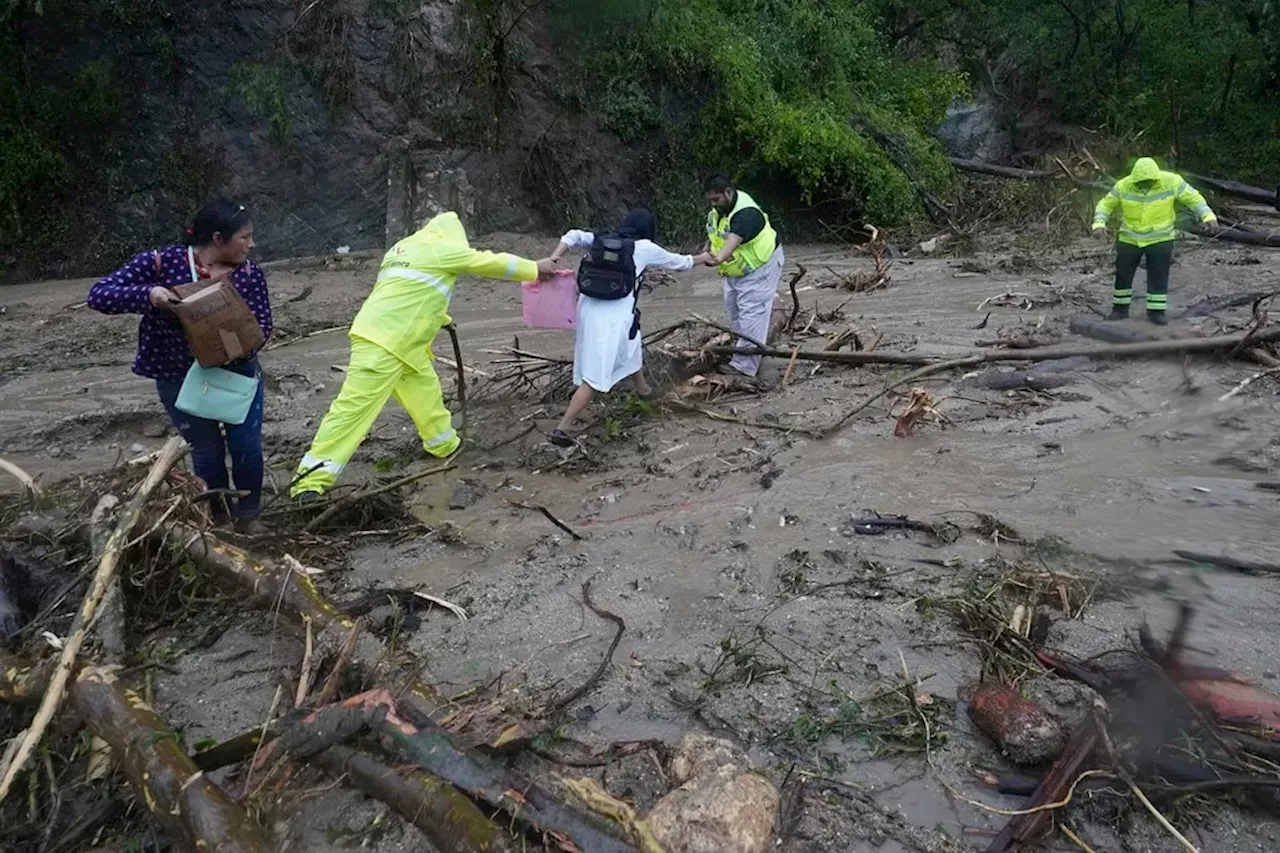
(216, 394)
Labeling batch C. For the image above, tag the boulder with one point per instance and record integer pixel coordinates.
(720, 806)
(974, 131)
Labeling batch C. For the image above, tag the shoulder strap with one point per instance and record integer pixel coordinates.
(155, 254)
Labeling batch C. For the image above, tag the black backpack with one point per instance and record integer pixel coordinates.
(608, 271)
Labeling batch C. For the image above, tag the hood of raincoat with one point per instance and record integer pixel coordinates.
(1145, 169)
(446, 227)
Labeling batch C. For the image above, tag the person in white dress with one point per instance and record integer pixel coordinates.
(608, 348)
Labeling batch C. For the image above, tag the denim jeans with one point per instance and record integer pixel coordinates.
(209, 447)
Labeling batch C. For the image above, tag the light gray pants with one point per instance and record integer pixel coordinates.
(748, 300)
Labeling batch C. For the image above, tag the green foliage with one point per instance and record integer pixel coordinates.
(54, 137)
(773, 92)
(1199, 80)
(264, 90)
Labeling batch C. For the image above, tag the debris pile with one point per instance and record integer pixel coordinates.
(350, 709)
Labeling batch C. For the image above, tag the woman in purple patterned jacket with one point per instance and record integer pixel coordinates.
(218, 244)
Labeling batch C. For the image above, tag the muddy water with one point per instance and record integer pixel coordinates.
(695, 531)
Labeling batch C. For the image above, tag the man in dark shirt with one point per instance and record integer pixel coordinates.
(745, 247)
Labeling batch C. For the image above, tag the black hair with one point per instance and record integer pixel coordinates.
(716, 182)
(217, 217)
(639, 224)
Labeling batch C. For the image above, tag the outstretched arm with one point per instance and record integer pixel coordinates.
(574, 239)
(659, 258)
(1106, 206)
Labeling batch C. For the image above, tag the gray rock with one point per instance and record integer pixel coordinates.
(975, 131)
(719, 806)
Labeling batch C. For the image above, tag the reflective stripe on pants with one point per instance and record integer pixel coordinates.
(374, 375)
(1159, 260)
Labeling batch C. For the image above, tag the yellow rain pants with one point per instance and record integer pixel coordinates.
(373, 376)
(391, 341)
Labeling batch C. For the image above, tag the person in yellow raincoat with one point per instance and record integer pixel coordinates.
(391, 347)
(1145, 205)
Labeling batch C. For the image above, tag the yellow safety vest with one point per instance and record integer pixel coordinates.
(752, 254)
(409, 304)
(1147, 218)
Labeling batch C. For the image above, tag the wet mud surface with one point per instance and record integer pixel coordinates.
(754, 606)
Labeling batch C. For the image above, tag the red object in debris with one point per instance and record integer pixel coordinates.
(1232, 701)
(1021, 728)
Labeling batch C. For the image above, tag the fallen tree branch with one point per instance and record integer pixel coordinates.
(795, 298)
(1236, 234)
(169, 784)
(858, 357)
(172, 451)
(560, 704)
(526, 801)
(914, 376)
(417, 798)
(1235, 188)
(112, 611)
(28, 482)
(546, 513)
(274, 588)
(734, 419)
(180, 797)
(338, 505)
(452, 329)
(1029, 821)
(1128, 350)
(428, 746)
(1222, 561)
(1245, 383)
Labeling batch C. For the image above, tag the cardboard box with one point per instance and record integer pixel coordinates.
(218, 323)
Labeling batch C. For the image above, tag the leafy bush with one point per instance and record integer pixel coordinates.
(263, 90)
(1199, 80)
(778, 89)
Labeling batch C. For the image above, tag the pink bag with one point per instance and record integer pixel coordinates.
(551, 304)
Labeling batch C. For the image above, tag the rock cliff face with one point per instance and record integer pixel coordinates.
(324, 117)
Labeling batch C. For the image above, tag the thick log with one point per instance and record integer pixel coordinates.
(1221, 185)
(1248, 238)
(172, 451)
(430, 747)
(167, 783)
(177, 795)
(416, 797)
(1235, 188)
(1170, 346)
(995, 171)
(294, 595)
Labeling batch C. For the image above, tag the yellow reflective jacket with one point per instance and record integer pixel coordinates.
(750, 255)
(1148, 217)
(409, 304)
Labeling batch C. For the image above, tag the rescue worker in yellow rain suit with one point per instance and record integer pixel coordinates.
(1147, 200)
(391, 347)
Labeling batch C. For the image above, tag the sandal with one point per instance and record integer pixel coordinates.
(560, 439)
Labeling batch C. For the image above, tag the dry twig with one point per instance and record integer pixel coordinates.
(172, 451)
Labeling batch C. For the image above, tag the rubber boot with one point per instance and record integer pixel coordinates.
(1158, 318)
(1119, 312)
